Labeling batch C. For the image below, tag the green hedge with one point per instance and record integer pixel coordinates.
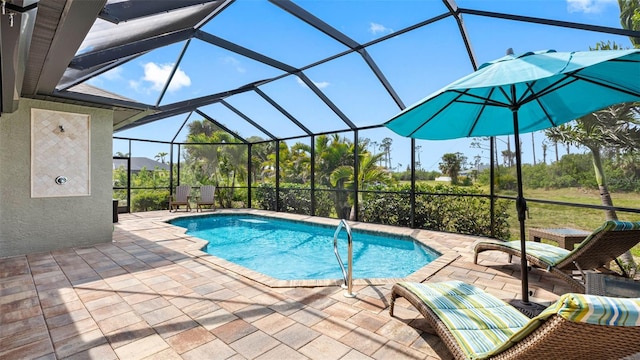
(294, 198)
(440, 207)
(148, 200)
(453, 212)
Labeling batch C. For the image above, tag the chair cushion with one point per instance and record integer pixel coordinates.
(479, 321)
(545, 252)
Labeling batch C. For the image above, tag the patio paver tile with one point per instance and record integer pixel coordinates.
(142, 348)
(213, 350)
(129, 334)
(364, 341)
(189, 339)
(334, 327)
(161, 315)
(233, 330)
(102, 352)
(80, 342)
(273, 323)
(296, 335)
(33, 350)
(324, 348)
(281, 352)
(254, 344)
(119, 322)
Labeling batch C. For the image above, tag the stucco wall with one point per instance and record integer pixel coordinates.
(31, 225)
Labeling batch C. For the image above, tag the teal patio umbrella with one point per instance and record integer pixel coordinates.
(520, 94)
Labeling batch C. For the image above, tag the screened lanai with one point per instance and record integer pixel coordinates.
(280, 105)
(214, 87)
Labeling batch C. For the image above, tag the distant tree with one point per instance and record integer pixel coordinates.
(630, 18)
(119, 154)
(386, 149)
(160, 156)
(452, 165)
(369, 174)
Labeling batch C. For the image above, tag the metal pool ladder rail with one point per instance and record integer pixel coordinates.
(348, 277)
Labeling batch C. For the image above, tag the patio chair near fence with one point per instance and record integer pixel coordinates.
(596, 252)
(207, 197)
(474, 324)
(180, 198)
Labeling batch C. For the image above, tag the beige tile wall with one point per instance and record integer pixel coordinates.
(60, 146)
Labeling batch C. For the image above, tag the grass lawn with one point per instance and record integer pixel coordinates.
(549, 216)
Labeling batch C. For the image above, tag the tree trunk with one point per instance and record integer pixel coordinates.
(605, 198)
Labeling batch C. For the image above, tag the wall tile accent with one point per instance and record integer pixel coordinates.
(60, 146)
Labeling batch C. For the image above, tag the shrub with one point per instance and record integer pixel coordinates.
(440, 207)
(294, 198)
(148, 200)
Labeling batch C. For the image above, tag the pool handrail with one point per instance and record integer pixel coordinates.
(348, 277)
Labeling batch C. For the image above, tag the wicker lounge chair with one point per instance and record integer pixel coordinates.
(207, 197)
(596, 252)
(181, 197)
(476, 325)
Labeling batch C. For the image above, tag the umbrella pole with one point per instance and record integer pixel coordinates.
(521, 207)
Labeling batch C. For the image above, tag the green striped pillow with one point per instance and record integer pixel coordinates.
(590, 309)
(597, 310)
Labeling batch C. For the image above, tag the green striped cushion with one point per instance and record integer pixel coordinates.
(597, 310)
(545, 252)
(479, 321)
(610, 225)
(554, 254)
(484, 325)
(591, 309)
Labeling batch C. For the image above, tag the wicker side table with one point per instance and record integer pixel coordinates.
(610, 285)
(566, 237)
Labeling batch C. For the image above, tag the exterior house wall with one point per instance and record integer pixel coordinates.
(36, 224)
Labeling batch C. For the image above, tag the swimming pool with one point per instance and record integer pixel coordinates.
(292, 250)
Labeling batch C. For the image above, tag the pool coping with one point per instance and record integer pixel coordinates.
(194, 250)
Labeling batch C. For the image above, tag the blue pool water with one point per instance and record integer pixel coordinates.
(290, 250)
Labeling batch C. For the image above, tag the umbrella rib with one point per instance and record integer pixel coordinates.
(551, 88)
(611, 87)
(483, 100)
(475, 121)
(546, 113)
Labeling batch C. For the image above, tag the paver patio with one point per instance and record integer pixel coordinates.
(148, 294)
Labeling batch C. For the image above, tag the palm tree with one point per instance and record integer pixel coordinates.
(369, 174)
(160, 156)
(451, 165)
(333, 152)
(630, 18)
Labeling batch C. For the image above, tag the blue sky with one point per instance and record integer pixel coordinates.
(415, 63)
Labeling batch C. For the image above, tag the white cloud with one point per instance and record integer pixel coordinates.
(588, 6)
(319, 85)
(375, 28)
(230, 60)
(158, 75)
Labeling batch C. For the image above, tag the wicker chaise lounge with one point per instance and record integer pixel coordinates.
(596, 252)
(476, 325)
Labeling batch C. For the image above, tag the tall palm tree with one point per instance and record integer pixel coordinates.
(369, 174)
